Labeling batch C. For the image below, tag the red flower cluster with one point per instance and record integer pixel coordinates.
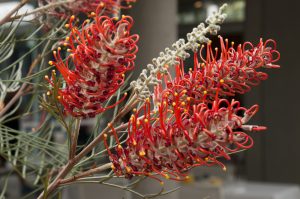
(86, 6)
(102, 52)
(190, 125)
(230, 71)
(171, 141)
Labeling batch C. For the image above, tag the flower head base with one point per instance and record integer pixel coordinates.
(102, 53)
(111, 7)
(171, 141)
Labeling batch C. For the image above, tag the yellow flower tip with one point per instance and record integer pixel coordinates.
(123, 75)
(162, 183)
(69, 50)
(59, 48)
(134, 110)
(183, 103)
(187, 177)
(101, 5)
(166, 66)
(176, 94)
(190, 69)
(206, 159)
(93, 14)
(226, 40)
(87, 21)
(105, 135)
(46, 77)
(48, 93)
(204, 92)
(232, 43)
(216, 49)
(138, 122)
(116, 18)
(167, 176)
(51, 63)
(65, 44)
(146, 120)
(112, 167)
(123, 16)
(224, 168)
(147, 100)
(173, 104)
(188, 98)
(67, 25)
(54, 52)
(222, 81)
(73, 17)
(142, 153)
(67, 38)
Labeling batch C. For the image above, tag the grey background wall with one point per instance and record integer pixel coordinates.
(276, 155)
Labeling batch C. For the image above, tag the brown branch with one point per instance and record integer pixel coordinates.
(65, 170)
(15, 9)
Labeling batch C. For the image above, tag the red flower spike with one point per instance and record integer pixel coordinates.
(102, 53)
(182, 137)
(223, 73)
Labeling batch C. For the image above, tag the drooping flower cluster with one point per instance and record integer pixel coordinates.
(112, 7)
(190, 124)
(102, 53)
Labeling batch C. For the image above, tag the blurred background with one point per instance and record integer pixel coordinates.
(271, 168)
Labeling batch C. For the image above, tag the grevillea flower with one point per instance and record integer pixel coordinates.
(102, 53)
(229, 71)
(170, 141)
(112, 7)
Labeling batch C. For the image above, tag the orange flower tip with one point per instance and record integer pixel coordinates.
(142, 153)
(123, 16)
(166, 66)
(51, 63)
(53, 72)
(69, 50)
(138, 122)
(134, 143)
(232, 43)
(167, 176)
(65, 44)
(59, 48)
(209, 42)
(190, 69)
(183, 103)
(134, 110)
(147, 100)
(48, 93)
(125, 93)
(93, 14)
(222, 81)
(46, 77)
(184, 91)
(116, 18)
(216, 49)
(224, 168)
(206, 159)
(226, 40)
(123, 75)
(188, 98)
(59, 97)
(67, 26)
(67, 38)
(105, 135)
(176, 94)
(109, 124)
(112, 167)
(146, 120)
(128, 170)
(101, 5)
(203, 64)
(204, 92)
(187, 177)
(173, 104)
(54, 52)
(73, 17)
(119, 146)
